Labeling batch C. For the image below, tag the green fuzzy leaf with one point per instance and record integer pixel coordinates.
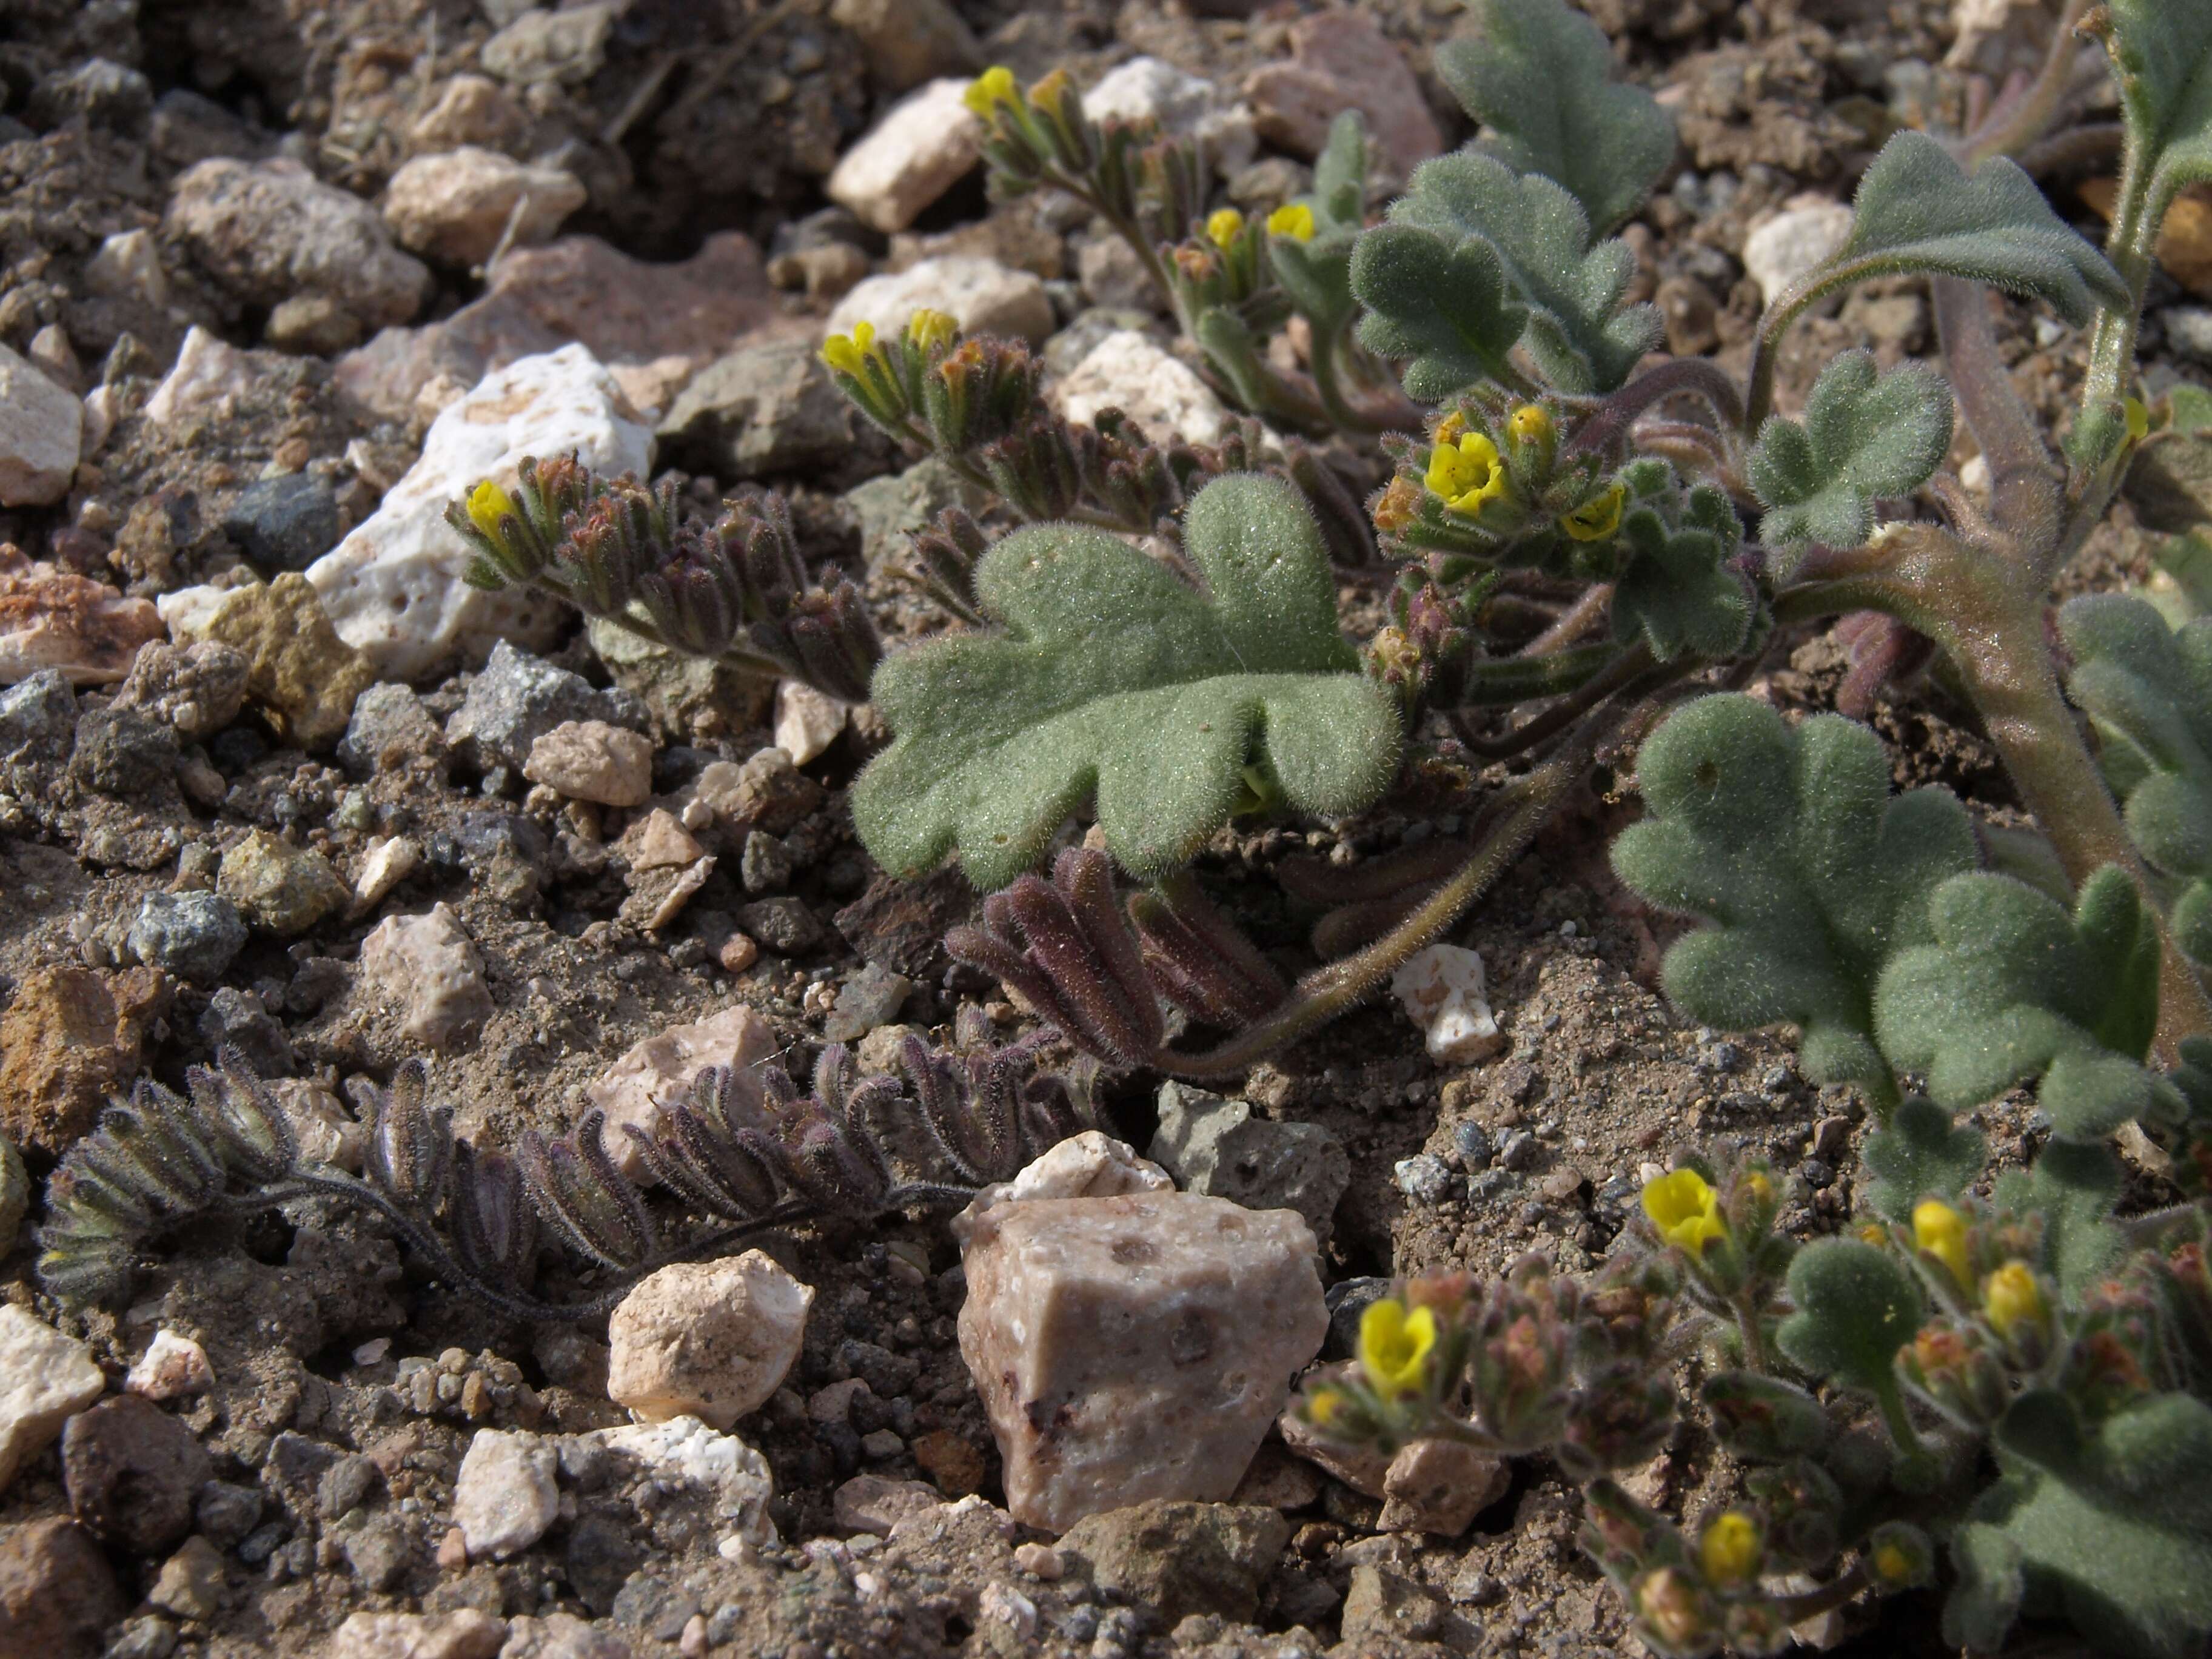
(1444, 306)
(2162, 52)
(1763, 1419)
(1856, 1305)
(2074, 1186)
(1921, 1152)
(1112, 675)
(1788, 843)
(2182, 587)
(1917, 211)
(2148, 689)
(2112, 1527)
(1682, 592)
(1339, 200)
(1540, 77)
(2011, 989)
(1578, 334)
(1864, 437)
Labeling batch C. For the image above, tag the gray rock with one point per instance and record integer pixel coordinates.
(198, 688)
(188, 128)
(870, 998)
(346, 1484)
(105, 93)
(1181, 1558)
(238, 1018)
(377, 1552)
(785, 926)
(389, 727)
(1346, 1300)
(766, 865)
(285, 523)
(37, 718)
(907, 42)
(566, 46)
(2189, 331)
(1424, 1178)
(225, 1514)
(892, 507)
(150, 1636)
(504, 1497)
(121, 751)
(132, 1472)
(763, 410)
(1217, 1147)
(517, 698)
(1473, 1143)
(192, 935)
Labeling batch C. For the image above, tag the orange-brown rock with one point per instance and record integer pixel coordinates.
(52, 618)
(72, 1037)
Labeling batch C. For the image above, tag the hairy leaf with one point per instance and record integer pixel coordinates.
(2112, 1524)
(2073, 1186)
(1917, 211)
(1539, 76)
(2162, 52)
(1864, 437)
(1920, 1153)
(2010, 989)
(1443, 307)
(1856, 1305)
(1682, 591)
(1112, 674)
(1578, 333)
(2148, 688)
(1788, 843)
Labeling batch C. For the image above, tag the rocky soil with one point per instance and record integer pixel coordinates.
(277, 278)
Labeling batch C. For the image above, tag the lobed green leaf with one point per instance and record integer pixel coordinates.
(2161, 54)
(1111, 677)
(1921, 1152)
(1443, 307)
(1683, 593)
(1864, 436)
(1857, 1306)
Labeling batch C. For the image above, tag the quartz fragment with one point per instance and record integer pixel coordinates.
(1441, 989)
(710, 1339)
(659, 1070)
(591, 760)
(908, 158)
(429, 964)
(504, 1497)
(45, 1378)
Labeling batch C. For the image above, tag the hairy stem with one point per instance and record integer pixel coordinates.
(2018, 121)
(1693, 376)
(2023, 489)
(1623, 670)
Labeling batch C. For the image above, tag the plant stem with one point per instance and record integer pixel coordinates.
(2019, 121)
(2023, 489)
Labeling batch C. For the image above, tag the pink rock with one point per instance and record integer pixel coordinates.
(1339, 60)
(591, 760)
(458, 206)
(465, 1634)
(659, 1070)
(709, 1339)
(51, 618)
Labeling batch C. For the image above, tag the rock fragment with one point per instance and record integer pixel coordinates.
(709, 1339)
(911, 157)
(908, 41)
(45, 1378)
(1218, 1148)
(132, 1472)
(722, 1468)
(806, 720)
(517, 698)
(58, 1597)
(660, 1069)
(1342, 60)
(298, 668)
(1182, 1558)
(429, 964)
(71, 1039)
(197, 689)
(1146, 89)
(1130, 371)
(981, 295)
(504, 1497)
(1784, 247)
(466, 1633)
(591, 760)
(767, 407)
(172, 1367)
(1441, 989)
(41, 434)
(285, 523)
(460, 206)
(194, 935)
(1134, 1347)
(52, 618)
(282, 889)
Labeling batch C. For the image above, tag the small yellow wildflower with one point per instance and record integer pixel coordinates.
(1047, 94)
(1757, 1186)
(848, 353)
(2011, 1296)
(1531, 423)
(1684, 1209)
(1729, 1547)
(993, 86)
(927, 328)
(487, 505)
(1221, 226)
(1941, 1231)
(1891, 1564)
(1294, 220)
(1597, 518)
(1394, 1345)
(1467, 473)
(2138, 419)
(1322, 1405)
(1873, 1233)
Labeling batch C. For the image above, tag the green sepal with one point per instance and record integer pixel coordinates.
(2011, 989)
(1540, 77)
(1682, 592)
(1109, 674)
(1857, 1306)
(1920, 1153)
(1864, 436)
(1788, 843)
(1917, 211)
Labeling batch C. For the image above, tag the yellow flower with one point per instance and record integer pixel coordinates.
(848, 353)
(1047, 94)
(2011, 1296)
(1729, 1549)
(1322, 1405)
(993, 86)
(1597, 518)
(1941, 1231)
(2138, 419)
(487, 505)
(1684, 1209)
(1873, 1233)
(1760, 1190)
(927, 328)
(1294, 220)
(1221, 227)
(1467, 473)
(1893, 1564)
(1531, 423)
(1394, 1345)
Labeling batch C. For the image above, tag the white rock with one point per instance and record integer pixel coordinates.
(45, 1378)
(592, 760)
(564, 1635)
(208, 375)
(1144, 88)
(1441, 989)
(806, 721)
(912, 157)
(466, 1633)
(1783, 249)
(457, 206)
(504, 1497)
(389, 861)
(1093, 1164)
(659, 841)
(709, 1339)
(393, 587)
(99, 417)
(685, 1451)
(172, 1367)
(128, 266)
(1130, 372)
(660, 1069)
(41, 434)
(430, 966)
(981, 295)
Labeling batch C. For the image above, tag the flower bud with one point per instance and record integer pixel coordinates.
(1729, 1548)
(1941, 1231)
(2011, 1298)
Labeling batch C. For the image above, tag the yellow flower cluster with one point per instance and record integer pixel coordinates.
(2011, 1298)
(1394, 1346)
(1683, 1205)
(1294, 220)
(1729, 1548)
(487, 505)
(848, 353)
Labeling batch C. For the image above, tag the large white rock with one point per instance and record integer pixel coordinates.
(393, 588)
(659, 1070)
(710, 1339)
(504, 1497)
(429, 965)
(1782, 249)
(806, 720)
(457, 206)
(911, 157)
(1147, 89)
(41, 433)
(45, 1379)
(1128, 370)
(981, 295)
